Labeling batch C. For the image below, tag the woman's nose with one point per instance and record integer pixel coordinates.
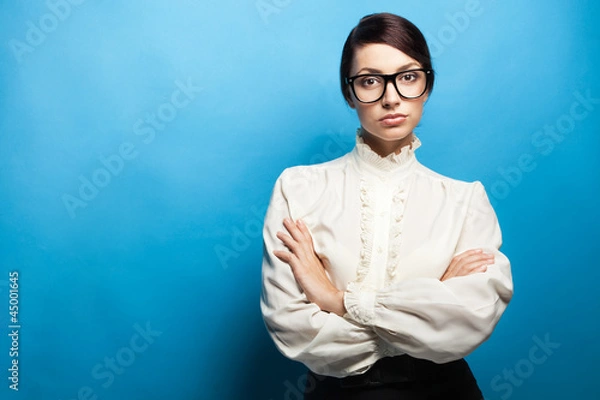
(391, 96)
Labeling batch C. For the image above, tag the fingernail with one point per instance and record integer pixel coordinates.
(300, 222)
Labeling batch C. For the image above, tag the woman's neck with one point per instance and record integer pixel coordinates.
(383, 147)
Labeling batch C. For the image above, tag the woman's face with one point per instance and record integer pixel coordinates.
(387, 124)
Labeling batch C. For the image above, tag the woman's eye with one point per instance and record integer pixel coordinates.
(408, 78)
(369, 81)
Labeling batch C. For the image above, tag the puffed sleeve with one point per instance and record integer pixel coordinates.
(325, 342)
(442, 321)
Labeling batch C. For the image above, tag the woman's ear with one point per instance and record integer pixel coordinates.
(348, 98)
(426, 97)
(350, 102)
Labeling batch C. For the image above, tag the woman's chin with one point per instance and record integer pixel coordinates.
(390, 136)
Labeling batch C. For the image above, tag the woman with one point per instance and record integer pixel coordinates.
(379, 274)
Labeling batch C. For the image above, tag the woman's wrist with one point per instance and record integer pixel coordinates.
(337, 305)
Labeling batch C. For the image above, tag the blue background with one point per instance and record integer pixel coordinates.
(171, 238)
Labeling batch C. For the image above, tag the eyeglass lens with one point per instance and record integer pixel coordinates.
(410, 84)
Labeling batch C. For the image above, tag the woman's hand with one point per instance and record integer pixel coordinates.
(468, 262)
(308, 269)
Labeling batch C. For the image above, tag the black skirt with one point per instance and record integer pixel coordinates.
(399, 378)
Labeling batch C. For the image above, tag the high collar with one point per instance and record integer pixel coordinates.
(394, 162)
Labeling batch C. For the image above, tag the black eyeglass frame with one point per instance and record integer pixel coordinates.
(391, 77)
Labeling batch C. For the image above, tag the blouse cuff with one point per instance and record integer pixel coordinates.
(360, 304)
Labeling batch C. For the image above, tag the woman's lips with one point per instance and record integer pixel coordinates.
(393, 119)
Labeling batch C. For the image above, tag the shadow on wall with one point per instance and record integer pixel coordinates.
(266, 374)
(260, 371)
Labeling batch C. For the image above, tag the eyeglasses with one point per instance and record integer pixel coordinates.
(410, 84)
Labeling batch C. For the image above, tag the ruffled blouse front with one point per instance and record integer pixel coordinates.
(385, 213)
(386, 229)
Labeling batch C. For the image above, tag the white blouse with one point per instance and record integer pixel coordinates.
(386, 230)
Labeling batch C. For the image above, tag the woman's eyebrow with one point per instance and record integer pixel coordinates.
(377, 71)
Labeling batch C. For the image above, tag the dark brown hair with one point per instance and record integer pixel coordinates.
(389, 29)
